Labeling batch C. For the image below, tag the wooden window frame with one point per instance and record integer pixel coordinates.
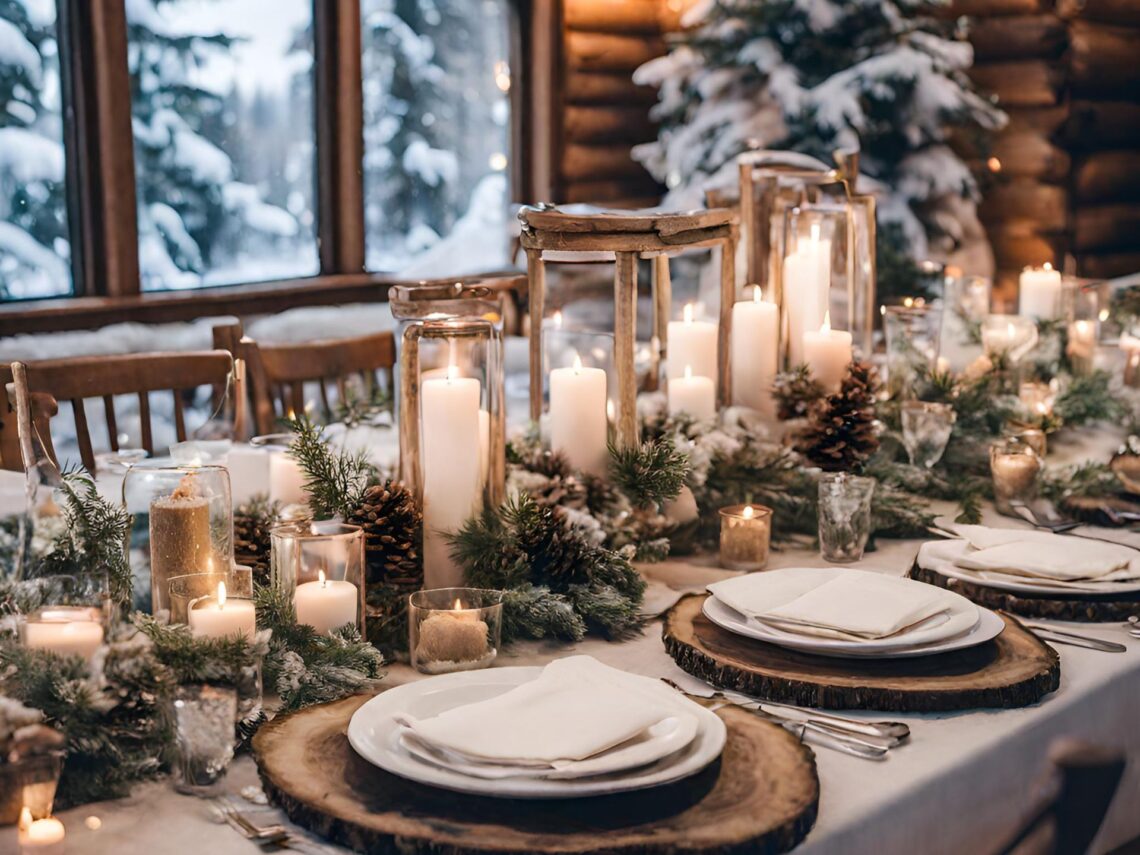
(101, 191)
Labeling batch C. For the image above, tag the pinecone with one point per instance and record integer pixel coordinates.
(841, 434)
(796, 393)
(252, 523)
(393, 526)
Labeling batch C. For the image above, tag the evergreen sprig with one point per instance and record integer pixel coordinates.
(1089, 399)
(335, 481)
(201, 660)
(651, 472)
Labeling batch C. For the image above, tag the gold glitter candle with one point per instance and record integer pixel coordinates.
(745, 535)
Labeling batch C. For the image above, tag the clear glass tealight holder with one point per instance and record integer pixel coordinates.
(926, 429)
(745, 537)
(1014, 466)
(1037, 398)
(202, 717)
(214, 605)
(1009, 337)
(844, 516)
(320, 567)
(454, 629)
(912, 333)
(72, 617)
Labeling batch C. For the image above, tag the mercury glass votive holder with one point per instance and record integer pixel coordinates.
(745, 537)
(454, 629)
(926, 429)
(202, 717)
(844, 516)
(1015, 467)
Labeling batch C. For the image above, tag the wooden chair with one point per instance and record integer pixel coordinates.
(1082, 783)
(80, 378)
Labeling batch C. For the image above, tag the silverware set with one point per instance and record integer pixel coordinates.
(867, 740)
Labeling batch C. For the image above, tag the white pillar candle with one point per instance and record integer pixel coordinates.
(66, 631)
(692, 344)
(249, 472)
(326, 604)
(220, 616)
(1039, 293)
(807, 283)
(828, 353)
(286, 480)
(452, 492)
(578, 426)
(755, 342)
(693, 395)
(40, 836)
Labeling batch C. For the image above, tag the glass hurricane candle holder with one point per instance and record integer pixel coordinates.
(1014, 466)
(745, 537)
(844, 516)
(215, 605)
(188, 523)
(29, 772)
(1082, 333)
(72, 618)
(454, 629)
(1037, 398)
(320, 567)
(1009, 337)
(912, 332)
(926, 428)
(450, 409)
(202, 717)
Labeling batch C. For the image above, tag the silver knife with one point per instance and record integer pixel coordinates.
(815, 734)
(1058, 636)
(890, 729)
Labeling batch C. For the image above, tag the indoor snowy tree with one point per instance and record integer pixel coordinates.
(34, 250)
(884, 76)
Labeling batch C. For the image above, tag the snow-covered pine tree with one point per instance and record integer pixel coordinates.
(886, 76)
(34, 251)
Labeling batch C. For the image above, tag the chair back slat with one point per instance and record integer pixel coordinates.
(144, 422)
(83, 434)
(179, 416)
(112, 424)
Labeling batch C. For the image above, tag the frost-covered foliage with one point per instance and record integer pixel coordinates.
(816, 75)
(34, 249)
(436, 134)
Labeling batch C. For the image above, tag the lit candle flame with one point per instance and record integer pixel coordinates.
(748, 512)
(757, 295)
(815, 232)
(1009, 330)
(577, 363)
(688, 372)
(908, 302)
(221, 595)
(687, 313)
(25, 821)
(556, 319)
(458, 604)
(321, 578)
(826, 326)
(1047, 266)
(1103, 314)
(452, 372)
(994, 164)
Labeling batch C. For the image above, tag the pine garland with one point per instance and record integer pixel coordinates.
(650, 473)
(335, 481)
(1088, 399)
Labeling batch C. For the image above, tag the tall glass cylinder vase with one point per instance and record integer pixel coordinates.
(912, 334)
(451, 411)
(183, 524)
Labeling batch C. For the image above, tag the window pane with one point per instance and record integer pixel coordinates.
(222, 100)
(436, 134)
(34, 250)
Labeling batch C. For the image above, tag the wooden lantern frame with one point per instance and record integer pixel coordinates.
(550, 234)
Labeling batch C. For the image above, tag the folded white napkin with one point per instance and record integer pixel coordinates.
(576, 708)
(830, 603)
(1043, 554)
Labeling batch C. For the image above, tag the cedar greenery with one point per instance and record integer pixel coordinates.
(796, 393)
(335, 481)
(650, 473)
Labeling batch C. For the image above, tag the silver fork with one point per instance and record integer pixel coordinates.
(264, 835)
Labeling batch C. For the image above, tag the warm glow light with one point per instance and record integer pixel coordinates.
(826, 326)
(503, 75)
(1047, 266)
(757, 295)
(498, 161)
(221, 595)
(577, 363)
(452, 372)
(25, 821)
(458, 604)
(908, 301)
(556, 319)
(815, 232)
(1103, 315)
(687, 313)
(994, 164)
(748, 512)
(688, 371)
(93, 823)
(1009, 330)
(321, 578)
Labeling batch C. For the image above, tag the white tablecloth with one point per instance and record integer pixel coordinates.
(958, 786)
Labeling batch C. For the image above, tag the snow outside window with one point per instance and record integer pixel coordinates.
(35, 256)
(436, 135)
(222, 106)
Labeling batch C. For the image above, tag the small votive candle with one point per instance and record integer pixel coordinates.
(39, 836)
(1130, 346)
(1081, 346)
(66, 630)
(745, 536)
(222, 615)
(1014, 466)
(326, 604)
(1037, 398)
(454, 629)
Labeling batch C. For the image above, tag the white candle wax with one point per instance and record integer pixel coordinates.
(828, 353)
(249, 472)
(326, 604)
(484, 445)
(807, 282)
(68, 632)
(755, 342)
(1039, 293)
(216, 617)
(693, 395)
(578, 426)
(41, 836)
(286, 480)
(692, 343)
(452, 493)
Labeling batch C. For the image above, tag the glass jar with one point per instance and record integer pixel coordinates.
(454, 629)
(926, 429)
(1014, 466)
(912, 333)
(320, 567)
(844, 516)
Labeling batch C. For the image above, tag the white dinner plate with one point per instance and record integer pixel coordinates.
(988, 626)
(939, 555)
(375, 736)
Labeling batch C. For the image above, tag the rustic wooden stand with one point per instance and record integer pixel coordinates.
(1083, 607)
(760, 797)
(624, 237)
(1014, 670)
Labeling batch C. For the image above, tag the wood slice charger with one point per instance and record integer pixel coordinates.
(1014, 670)
(761, 796)
(1089, 608)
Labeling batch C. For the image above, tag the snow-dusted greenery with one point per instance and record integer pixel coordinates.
(816, 75)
